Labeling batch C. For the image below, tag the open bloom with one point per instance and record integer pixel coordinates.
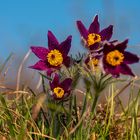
(53, 57)
(93, 37)
(60, 90)
(116, 59)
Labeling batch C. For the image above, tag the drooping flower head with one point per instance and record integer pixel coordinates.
(60, 90)
(93, 37)
(54, 56)
(116, 59)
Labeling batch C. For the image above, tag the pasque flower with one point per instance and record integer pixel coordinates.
(60, 90)
(54, 56)
(116, 59)
(93, 37)
(93, 61)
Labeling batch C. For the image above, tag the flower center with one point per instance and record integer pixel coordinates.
(59, 92)
(93, 38)
(94, 62)
(114, 58)
(55, 57)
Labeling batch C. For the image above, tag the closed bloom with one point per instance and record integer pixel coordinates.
(60, 90)
(54, 56)
(93, 37)
(116, 59)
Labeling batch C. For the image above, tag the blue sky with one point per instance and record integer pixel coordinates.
(25, 22)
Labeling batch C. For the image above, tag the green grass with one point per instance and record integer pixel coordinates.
(33, 116)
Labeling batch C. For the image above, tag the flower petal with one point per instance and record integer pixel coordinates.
(52, 41)
(130, 58)
(124, 69)
(40, 52)
(64, 47)
(54, 97)
(40, 65)
(108, 47)
(87, 60)
(112, 70)
(94, 26)
(55, 81)
(66, 61)
(106, 33)
(113, 41)
(66, 84)
(66, 94)
(95, 47)
(83, 31)
(122, 45)
(49, 72)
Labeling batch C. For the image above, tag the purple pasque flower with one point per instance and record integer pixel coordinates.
(116, 59)
(60, 90)
(54, 56)
(93, 61)
(93, 37)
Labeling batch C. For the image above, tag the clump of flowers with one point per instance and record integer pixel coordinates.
(111, 58)
(104, 62)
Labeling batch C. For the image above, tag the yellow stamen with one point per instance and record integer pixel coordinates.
(94, 62)
(59, 92)
(93, 38)
(114, 58)
(55, 57)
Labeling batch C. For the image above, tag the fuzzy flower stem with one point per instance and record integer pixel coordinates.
(97, 93)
